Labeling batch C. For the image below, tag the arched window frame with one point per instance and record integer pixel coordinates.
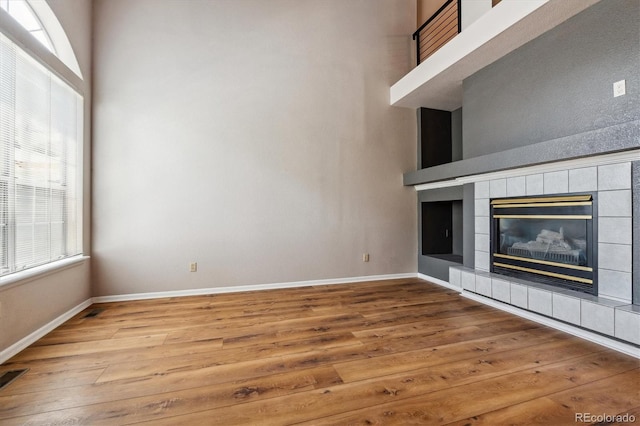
(22, 11)
(65, 68)
(63, 63)
(56, 34)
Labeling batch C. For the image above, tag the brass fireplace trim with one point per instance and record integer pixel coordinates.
(537, 200)
(554, 204)
(541, 216)
(544, 262)
(550, 274)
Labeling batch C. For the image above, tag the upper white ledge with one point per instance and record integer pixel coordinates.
(437, 82)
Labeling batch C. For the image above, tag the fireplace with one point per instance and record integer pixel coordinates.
(547, 239)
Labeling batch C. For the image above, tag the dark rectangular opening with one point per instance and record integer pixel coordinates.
(442, 230)
(434, 137)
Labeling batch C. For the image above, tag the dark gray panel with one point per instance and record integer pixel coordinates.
(434, 267)
(456, 135)
(635, 181)
(418, 139)
(559, 84)
(457, 228)
(441, 194)
(469, 224)
(620, 137)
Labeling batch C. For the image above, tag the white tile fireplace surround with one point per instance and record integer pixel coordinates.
(611, 312)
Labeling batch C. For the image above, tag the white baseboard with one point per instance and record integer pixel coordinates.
(558, 325)
(579, 332)
(39, 333)
(241, 288)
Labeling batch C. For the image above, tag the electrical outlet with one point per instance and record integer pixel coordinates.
(193, 267)
(365, 257)
(619, 88)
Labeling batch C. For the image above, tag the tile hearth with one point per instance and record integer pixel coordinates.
(602, 315)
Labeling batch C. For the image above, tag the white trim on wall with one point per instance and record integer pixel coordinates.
(241, 288)
(23, 277)
(42, 331)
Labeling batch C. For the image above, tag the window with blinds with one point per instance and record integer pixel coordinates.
(40, 136)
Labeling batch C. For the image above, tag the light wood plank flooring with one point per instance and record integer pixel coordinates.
(386, 352)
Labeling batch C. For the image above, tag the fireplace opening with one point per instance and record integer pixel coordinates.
(548, 239)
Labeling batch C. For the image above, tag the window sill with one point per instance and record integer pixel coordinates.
(30, 274)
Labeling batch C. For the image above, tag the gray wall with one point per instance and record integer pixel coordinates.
(456, 135)
(559, 84)
(457, 227)
(253, 137)
(469, 225)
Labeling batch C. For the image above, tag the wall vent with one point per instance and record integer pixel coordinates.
(94, 313)
(8, 377)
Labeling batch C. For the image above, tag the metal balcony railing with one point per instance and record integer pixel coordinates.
(441, 27)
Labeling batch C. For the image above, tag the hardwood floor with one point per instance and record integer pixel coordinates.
(387, 352)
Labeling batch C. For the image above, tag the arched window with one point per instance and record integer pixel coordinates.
(40, 21)
(41, 139)
(22, 12)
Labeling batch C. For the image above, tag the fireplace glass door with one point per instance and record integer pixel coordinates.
(551, 240)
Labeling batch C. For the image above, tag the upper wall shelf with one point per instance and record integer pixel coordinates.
(437, 82)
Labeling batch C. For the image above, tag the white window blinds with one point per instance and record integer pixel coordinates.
(40, 134)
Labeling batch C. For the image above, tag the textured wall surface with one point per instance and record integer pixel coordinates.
(253, 137)
(558, 85)
(621, 137)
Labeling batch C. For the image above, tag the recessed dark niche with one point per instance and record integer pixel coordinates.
(442, 230)
(434, 137)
